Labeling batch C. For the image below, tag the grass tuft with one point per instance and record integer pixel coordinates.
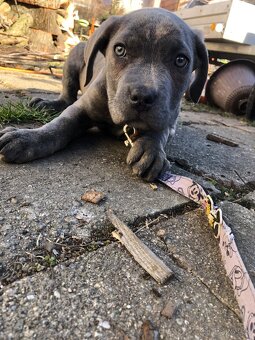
(20, 112)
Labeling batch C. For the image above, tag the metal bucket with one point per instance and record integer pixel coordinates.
(230, 85)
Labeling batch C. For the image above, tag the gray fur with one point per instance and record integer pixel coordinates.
(142, 89)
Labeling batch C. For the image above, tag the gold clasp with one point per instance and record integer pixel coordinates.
(214, 216)
(128, 141)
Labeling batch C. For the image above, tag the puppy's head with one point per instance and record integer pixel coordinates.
(150, 56)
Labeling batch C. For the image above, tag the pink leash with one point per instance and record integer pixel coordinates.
(234, 266)
(233, 263)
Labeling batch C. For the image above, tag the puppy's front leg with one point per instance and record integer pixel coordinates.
(23, 145)
(147, 156)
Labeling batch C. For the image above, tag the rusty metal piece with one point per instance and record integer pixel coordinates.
(230, 86)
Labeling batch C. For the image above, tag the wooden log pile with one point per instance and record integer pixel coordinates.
(39, 62)
(36, 25)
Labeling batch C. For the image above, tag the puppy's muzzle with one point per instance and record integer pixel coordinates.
(142, 98)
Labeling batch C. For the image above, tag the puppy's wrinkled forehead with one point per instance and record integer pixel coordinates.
(151, 27)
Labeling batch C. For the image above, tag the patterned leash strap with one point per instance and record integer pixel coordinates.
(234, 266)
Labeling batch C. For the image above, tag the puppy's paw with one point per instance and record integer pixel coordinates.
(50, 105)
(17, 145)
(146, 158)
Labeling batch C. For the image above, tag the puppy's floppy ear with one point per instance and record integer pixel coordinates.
(98, 42)
(200, 68)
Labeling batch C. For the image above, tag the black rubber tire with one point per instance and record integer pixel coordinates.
(250, 108)
(234, 98)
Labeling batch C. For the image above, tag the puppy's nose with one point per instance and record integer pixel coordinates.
(142, 98)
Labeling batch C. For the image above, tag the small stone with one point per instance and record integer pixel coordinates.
(30, 296)
(104, 324)
(13, 200)
(156, 292)
(55, 252)
(161, 232)
(93, 196)
(97, 334)
(49, 246)
(179, 321)
(56, 294)
(88, 335)
(168, 310)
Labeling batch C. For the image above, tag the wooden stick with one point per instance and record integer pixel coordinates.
(219, 139)
(141, 253)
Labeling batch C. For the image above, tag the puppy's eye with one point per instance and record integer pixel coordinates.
(120, 50)
(181, 61)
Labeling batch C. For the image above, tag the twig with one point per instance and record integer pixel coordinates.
(236, 172)
(141, 253)
(219, 139)
(151, 222)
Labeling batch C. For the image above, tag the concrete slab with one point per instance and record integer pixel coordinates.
(27, 81)
(198, 119)
(241, 220)
(230, 166)
(105, 294)
(248, 200)
(191, 245)
(16, 86)
(42, 199)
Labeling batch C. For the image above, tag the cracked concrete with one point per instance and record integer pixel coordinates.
(248, 200)
(231, 166)
(34, 203)
(58, 303)
(99, 291)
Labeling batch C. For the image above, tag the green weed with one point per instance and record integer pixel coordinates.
(20, 112)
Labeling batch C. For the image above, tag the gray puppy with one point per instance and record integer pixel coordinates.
(133, 70)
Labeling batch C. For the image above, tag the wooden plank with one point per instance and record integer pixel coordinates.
(141, 253)
(208, 33)
(27, 60)
(231, 48)
(207, 10)
(207, 20)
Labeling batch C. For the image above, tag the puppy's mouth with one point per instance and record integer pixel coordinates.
(120, 119)
(144, 121)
